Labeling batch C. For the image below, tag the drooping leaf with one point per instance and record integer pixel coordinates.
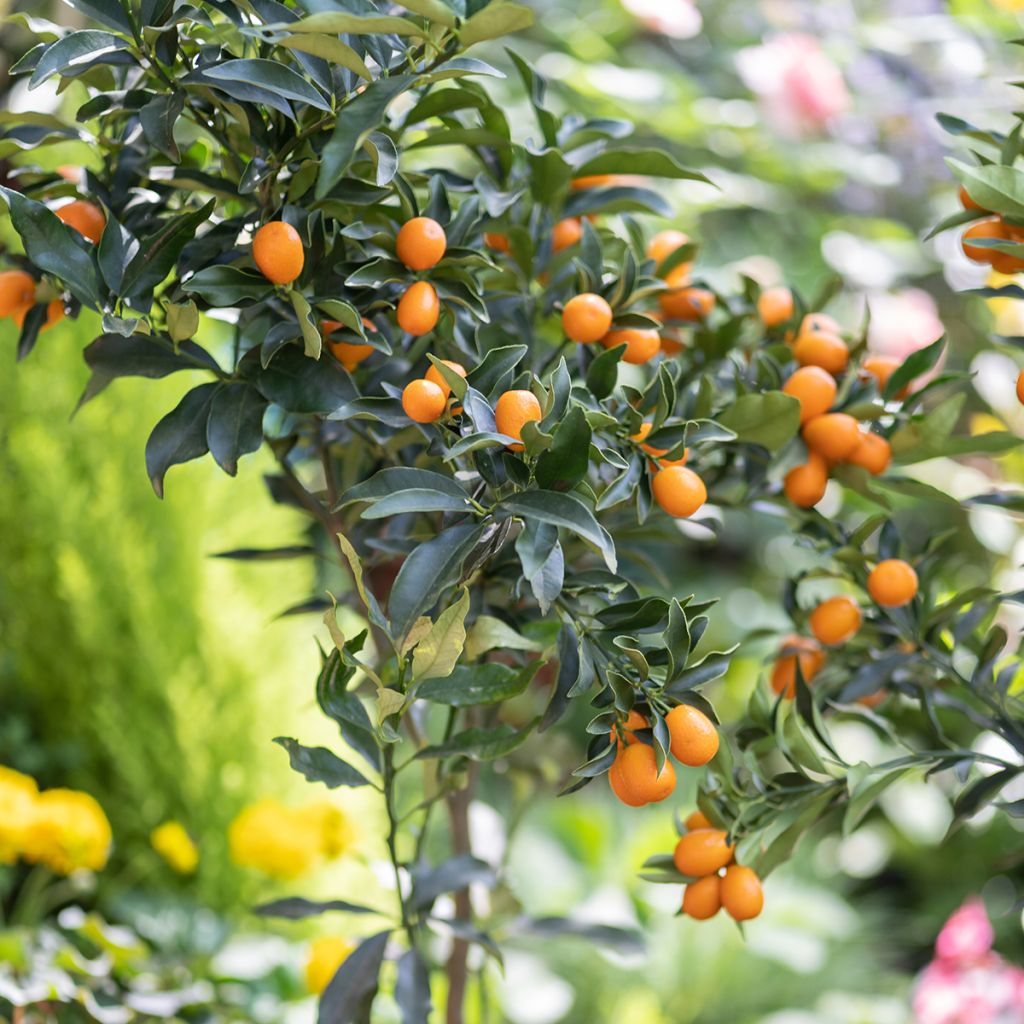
(349, 996)
(180, 436)
(235, 426)
(318, 764)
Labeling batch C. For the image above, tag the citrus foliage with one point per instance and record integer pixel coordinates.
(495, 395)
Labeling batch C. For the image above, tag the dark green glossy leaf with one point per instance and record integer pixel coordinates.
(318, 764)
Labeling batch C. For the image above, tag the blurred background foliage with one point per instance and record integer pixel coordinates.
(136, 667)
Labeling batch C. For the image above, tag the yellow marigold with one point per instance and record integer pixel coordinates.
(17, 804)
(275, 839)
(326, 955)
(175, 845)
(68, 831)
(336, 831)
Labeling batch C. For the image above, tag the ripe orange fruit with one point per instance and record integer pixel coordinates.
(565, 233)
(815, 390)
(702, 852)
(821, 348)
(278, 253)
(697, 820)
(634, 721)
(642, 344)
(1020, 387)
(349, 354)
(586, 318)
(966, 201)
(892, 583)
(423, 401)
(990, 228)
(833, 436)
(701, 899)
(434, 375)
(874, 453)
(640, 436)
(54, 313)
(496, 241)
(420, 243)
(671, 345)
(418, 308)
(639, 777)
(805, 485)
(775, 306)
(811, 658)
(513, 410)
(836, 620)
(741, 893)
(679, 491)
(621, 789)
(692, 305)
(882, 368)
(664, 243)
(694, 738)
(17, 292)
(85, 217)
(816, 322)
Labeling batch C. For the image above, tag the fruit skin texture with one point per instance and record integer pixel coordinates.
(812, 660)
(702, 852)
(418, 308)
(679, 491)
(513, 410)
(741, 893)
(697, 820)
(822, 348)
(278, 253)
(586, 318)
(694, 738)
(815, 390)
(892, 583)
(664, 243)
(702, 899)
(991, 227)
(17, 292)
(805, 485)
(836, 620)
(434, 375)
(1020, 387)
(820, 322)
(775, 306)
(420, 243)
(873, 453)
(641, 345)
(423, 401)
(621, 789)
(85, 217)
(833, 436)
(566, 232)
(638, 774)
(691, 305)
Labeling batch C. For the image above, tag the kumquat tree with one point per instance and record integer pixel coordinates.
(505, 392)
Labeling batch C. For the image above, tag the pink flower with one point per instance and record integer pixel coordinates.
(799, 85)
(679, 19)
(902, 322)
(967, 936)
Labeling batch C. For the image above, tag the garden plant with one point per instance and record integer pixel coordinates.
(501, 385)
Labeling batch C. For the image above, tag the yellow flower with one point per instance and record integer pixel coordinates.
(275, 839)
(336, 831)
(68, 831)
(1009, 5)
(17, 804)
(326, 955)
(175, 845)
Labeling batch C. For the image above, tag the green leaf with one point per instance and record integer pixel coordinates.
(603, 372)
(563, 510)
(395, 479)
(158, 118)
(180, 436)
(235, 426)
(432, 10)
(318, 764)
(304, 385)
(916, 364)
(297, 908)
(769, 419)
(267, 74)
(223, 285)
(993, 187)
(468, 685)
(73, 49)
(412, 988)
(357, 119)
(336, 23)
(349, 996)
(655, 163)
(489, 633)
(331, 49)
(106, 12)
(311, 339)
(437, 653)
(496, 19)
(427, 571)
(480, 744)
(866, 786)
(54, 247)
(365, 595)
(451, 875)
(565, 463)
